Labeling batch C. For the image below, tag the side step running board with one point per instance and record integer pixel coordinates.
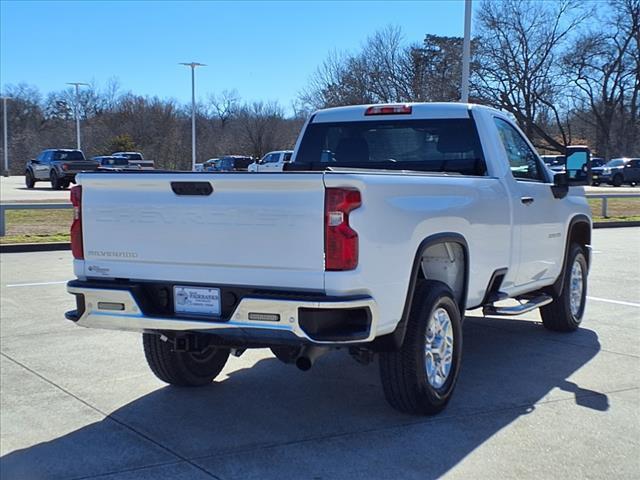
(537, 302)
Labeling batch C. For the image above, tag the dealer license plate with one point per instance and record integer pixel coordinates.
(197, 300)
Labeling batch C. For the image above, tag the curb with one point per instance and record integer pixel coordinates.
(616, 224)
(34, 247)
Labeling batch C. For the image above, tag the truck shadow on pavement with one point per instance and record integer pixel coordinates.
(272, 421)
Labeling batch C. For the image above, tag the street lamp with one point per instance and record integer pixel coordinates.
(466, 52)
(76, 110)
(6, 143)
(193, 66)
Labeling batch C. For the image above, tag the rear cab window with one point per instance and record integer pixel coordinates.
(68, 156)
(429, 145)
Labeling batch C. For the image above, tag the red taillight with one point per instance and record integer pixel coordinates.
(388, 110)
(76, 226)
(340, 240)
(65, 166)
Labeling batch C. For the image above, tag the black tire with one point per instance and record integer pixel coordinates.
(29, 181)
(616, 181)
(64, 184)
(404, 372)
(558, 315)
(55, 180)
(285, 353)
(183, 369)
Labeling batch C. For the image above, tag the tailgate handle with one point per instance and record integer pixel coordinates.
(192, 188)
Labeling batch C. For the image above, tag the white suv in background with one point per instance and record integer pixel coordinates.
(272, 161)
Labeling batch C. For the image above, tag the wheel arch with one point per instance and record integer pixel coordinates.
(394, 340)
(578, 231)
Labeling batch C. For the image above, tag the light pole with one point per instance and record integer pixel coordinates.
(6, 142)
(466, 52)
(193, 66)
(76, 110)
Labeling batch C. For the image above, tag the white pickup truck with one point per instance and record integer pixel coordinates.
(272, 162)
(390, 222)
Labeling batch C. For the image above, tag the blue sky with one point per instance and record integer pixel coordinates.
(265, 50)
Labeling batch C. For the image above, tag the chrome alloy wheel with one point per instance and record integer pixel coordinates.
(576, 287)
(438, 349)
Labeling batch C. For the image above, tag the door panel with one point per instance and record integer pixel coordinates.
(537, 216)
(42, 167)
(541, 236)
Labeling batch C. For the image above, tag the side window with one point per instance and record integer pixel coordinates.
(634, 163)
(46, 157)
(522, 160)
(273, 158)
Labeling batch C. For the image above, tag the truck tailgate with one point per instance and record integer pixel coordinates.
(256, 230)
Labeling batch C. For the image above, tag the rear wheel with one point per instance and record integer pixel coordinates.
(186, 369)
(29, 180)
(55, 180)
(421, 376)
(565, 313)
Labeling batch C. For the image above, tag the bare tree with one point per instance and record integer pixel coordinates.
(603, 66)
(262, 127)
(518, 56)
(225, 105)
(387, 69)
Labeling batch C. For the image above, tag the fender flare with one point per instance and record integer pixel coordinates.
(580, 219)
(393, 341)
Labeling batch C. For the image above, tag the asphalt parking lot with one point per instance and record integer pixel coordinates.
(79, 403)
(12, 189)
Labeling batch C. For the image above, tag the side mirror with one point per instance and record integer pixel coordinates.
(34, 160)
(578, 166)
(560, 186)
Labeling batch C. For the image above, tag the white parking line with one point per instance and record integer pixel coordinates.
(36, 284)
(617, 302)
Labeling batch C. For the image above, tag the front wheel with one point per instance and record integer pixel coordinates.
(421, 376)
(565, 313)
(29, 181)
(185, 369)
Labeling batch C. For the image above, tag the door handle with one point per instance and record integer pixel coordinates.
(526, 200)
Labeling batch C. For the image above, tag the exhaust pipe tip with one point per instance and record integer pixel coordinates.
(304, 363)
(308, 356)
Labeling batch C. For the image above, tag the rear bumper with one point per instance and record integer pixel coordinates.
(322, 320)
